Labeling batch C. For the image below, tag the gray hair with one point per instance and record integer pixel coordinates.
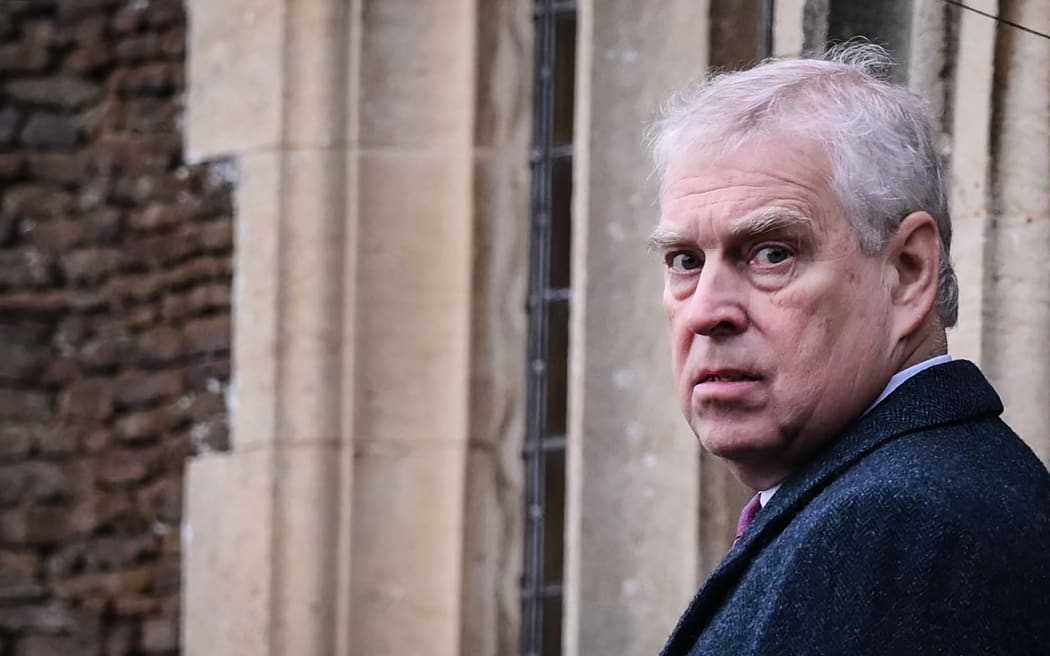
(877, 135)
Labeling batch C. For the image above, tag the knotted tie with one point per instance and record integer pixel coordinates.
(747, 515)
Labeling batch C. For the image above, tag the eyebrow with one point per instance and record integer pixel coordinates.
(771, 219)
(764, 221)
(663, 239)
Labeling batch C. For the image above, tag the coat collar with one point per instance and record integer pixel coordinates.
(951, 392)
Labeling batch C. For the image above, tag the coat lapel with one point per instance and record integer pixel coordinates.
(952, 392)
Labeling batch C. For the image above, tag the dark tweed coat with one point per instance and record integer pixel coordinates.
(924, 529)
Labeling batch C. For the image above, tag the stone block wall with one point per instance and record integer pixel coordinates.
(115, 281)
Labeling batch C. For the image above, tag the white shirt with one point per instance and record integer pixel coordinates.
(896, 381)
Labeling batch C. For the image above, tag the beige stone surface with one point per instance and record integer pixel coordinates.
(235, 74)
(1018, 348)
(290, 286)
(413, 297)
(969, 170)
(290, 401)
(788, 33)
(267, 553)
(490, 621)
(928, 56)
(312, 280)
(412, 305)
(633, 464)
(227, 554)
(407, 546)
(416, 73)
(493, 533)
(256, 290)
(320, 69)
(306, 560)
(1018, 352)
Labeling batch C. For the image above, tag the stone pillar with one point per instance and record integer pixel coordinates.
(412, 325)
(931, 61)
(268, 87)
(788, 28)
(1018, 343)
(492, 543)
(336, 523)
(631, 529)
(971, 102)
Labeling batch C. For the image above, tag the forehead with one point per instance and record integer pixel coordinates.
(706, 194)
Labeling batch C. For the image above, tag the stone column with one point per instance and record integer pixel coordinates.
(336, 523)
(931, 60)
(493, 540)
(631, 529)
(412, 325)
(971, 102)
(788, 28)
(1018, 343)
(268, 87)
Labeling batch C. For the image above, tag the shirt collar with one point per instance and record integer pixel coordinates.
(765, 495)
(898, 378)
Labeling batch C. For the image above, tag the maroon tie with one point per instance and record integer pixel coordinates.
(747, 515)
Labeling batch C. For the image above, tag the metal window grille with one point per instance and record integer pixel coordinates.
(548, 307)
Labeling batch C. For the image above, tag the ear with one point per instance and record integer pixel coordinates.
(914, 254)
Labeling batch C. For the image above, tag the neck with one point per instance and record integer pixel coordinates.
(929, 341)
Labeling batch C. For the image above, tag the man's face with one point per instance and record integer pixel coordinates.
(780, 326)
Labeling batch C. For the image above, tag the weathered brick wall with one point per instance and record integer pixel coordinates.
(115, 267)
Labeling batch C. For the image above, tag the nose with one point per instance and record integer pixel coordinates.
(716, 308)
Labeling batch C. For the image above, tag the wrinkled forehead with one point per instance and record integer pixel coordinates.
(708, 193)
(784, 150)
(784, 164)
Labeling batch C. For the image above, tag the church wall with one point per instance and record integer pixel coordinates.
(115, 270)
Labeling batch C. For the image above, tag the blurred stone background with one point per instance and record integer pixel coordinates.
(425, 405)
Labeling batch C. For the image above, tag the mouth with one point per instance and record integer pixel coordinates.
(727, 376)
(733, 386)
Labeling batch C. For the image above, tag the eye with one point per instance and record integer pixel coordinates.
(683, 262)
(771, 255)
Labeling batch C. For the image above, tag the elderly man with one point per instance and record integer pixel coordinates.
(805, 231)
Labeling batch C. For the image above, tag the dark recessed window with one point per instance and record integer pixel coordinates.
(549, 308)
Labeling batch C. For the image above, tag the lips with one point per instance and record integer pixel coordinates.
(726, 376)
(727, 385)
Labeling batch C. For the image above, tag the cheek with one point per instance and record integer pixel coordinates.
(680, 338)
(809, 326)
(669, 305)
(830, 331)
(826, 303)
(801, 314)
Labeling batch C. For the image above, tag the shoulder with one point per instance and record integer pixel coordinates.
(935, 542)
(955, 489)
(976, 470)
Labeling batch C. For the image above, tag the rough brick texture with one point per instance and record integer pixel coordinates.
(115, 267)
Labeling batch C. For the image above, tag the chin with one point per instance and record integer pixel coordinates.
(757, 477)
(738, 443)
(757, 462)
